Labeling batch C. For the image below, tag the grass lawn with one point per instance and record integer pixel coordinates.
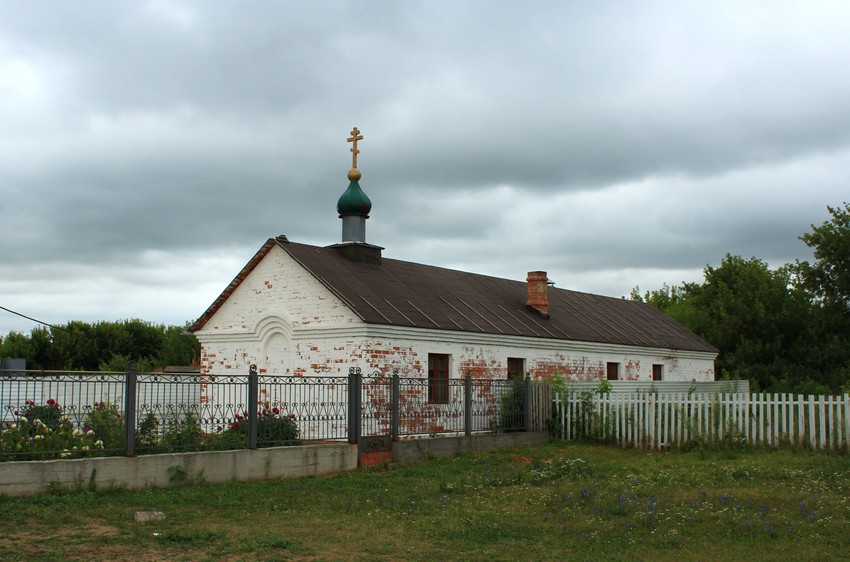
(553, 502)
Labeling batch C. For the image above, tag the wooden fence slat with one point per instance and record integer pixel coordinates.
(672, 419)
(846, 399)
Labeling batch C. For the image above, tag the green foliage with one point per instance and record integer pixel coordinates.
(183, 433)
(510, 407)
(43, 431)
(50, 413)
(274, 429)
(107, 423)
(828, 279)
(103, 346)
(120, 363)
(147, 435)
(588, 424)
(784, 329)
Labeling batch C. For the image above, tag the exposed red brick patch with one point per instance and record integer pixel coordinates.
(374, 459)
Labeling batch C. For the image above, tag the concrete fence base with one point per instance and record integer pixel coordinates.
(414, 450)
(26, 478)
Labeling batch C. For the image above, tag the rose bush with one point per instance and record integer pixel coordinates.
(43, 431)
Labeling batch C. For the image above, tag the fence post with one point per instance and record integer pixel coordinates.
(130, 410)
(526, 403)
(354, 404)
(467, 405)
(253, 397)
(395, 399)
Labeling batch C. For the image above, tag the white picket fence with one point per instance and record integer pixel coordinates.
(661, 420)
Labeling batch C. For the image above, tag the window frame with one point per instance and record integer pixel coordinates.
(512, 371)
(438, 378)
(616, 370)
(657, 372)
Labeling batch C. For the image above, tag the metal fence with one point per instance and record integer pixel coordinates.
(73, 414)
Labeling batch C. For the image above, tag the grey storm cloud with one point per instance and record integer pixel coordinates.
(158, 144)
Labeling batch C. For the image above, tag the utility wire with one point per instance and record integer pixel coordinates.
(10, 311)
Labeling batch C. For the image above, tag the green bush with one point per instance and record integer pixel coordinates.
(147, 436)
(43, 431)
(273, 429)
(183, 433)
(107, 423)
(511, 411)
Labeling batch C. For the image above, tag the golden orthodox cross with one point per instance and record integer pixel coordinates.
(355, 136)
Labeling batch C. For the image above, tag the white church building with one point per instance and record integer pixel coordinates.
(303, 310)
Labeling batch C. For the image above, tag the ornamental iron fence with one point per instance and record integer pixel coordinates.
(75, 414)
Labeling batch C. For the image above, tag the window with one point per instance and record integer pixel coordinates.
(516, 368)
(613, 371)
(657, 372)
(438, 378)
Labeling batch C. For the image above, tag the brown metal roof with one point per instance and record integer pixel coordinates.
(400, 293)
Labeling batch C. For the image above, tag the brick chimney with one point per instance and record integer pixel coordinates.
(538, 296)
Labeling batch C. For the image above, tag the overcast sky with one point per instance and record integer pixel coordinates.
(148, 149)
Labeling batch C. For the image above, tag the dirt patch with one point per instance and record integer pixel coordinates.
(521, 459)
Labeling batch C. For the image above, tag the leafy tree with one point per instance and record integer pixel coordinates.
(102, 346)
(752, 316)
(764, 328)
(828, 279)
(827, 282)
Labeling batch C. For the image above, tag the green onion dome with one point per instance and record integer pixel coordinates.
(354, 201)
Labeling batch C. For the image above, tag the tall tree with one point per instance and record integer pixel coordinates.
(761, 325)
(827, 282)
(828, 279)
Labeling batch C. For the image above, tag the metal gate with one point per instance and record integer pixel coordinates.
(372, 397)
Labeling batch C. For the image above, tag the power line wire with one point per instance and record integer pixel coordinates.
(37, 321)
